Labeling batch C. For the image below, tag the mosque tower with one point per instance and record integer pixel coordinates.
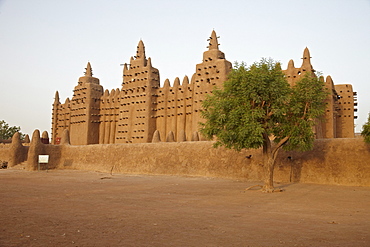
(211, 72)
(85, 107)
(138, 98)
(178, 106)
(55, 130)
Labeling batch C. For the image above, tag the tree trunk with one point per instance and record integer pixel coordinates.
(269, 164)
(269, 157)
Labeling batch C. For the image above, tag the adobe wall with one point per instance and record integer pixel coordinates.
(4, 152)
(333, 161)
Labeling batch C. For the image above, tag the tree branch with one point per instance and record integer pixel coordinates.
(279, 145)
(305, 110)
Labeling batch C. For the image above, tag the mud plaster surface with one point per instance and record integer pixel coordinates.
(79, 208)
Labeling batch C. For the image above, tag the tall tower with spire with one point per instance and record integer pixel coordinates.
(340, 102)
(55, 119)
(293, 75)
(85, 107)
(138, 98)
(211, 72)
(178, 106)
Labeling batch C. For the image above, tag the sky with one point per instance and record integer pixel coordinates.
(46, 44)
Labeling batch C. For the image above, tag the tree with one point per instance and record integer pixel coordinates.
(258, 108)
(366, 130)
(6, 132)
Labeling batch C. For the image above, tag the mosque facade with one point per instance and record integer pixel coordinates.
(143, 111)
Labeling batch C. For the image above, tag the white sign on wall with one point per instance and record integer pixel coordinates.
(43, 159)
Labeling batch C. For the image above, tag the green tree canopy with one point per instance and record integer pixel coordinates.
(258, 108)
(366, 130)
(7, 132)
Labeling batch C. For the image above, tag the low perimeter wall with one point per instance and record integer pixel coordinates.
(332, 161)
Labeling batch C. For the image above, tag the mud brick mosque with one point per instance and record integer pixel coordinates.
(142, 111)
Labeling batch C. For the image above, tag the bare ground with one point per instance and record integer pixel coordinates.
(79, 208)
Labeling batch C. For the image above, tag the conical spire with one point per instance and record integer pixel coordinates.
(176, 83)
(16, 140)
(35, 149)
(166, 83)
(112, 93)
(291, 64)
(45, 135)
(213, 42)
(16, 155)
(56, 99)
(170, 137)
(156, 136)
(185, 81)
(329, 82)
(329, 79)
(149, 63)
(306, 53)
(36, 137)
(306, 64)
(27, 139)
(88, 70)
(140, 53)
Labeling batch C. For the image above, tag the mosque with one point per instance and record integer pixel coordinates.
(142, 111)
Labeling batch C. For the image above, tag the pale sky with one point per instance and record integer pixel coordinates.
(46, 44)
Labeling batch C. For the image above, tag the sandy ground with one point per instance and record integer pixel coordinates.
(78, 208)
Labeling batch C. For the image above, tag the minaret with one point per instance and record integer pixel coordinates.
(136, 123)
(85, 106)
(306, 63)
(211, 72)
(55, 118)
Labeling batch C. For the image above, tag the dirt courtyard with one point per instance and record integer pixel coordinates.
(79, 208)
